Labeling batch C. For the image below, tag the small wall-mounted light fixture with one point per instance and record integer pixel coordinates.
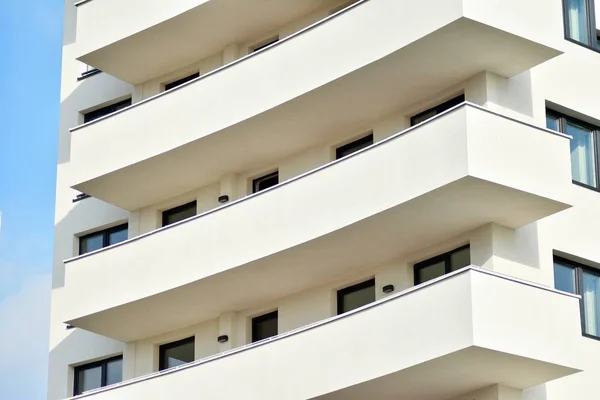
(388, 289)
(223, 199)
(223, 339)
(70, 327)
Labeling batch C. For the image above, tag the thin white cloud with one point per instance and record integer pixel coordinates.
(24, 319)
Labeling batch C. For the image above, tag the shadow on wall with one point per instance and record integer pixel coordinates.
(88, 214)
(73, 349)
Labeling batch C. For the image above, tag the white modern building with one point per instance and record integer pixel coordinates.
(322, 199)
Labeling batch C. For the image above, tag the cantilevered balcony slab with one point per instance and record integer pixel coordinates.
(347, 72)
(462, 169)
(167, 35)
(459, 333)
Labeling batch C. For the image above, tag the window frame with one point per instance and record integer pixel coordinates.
(446, 257)
(178, 82)
(101, 363)
(579, 269)
(263, 44)
(593, 33)
(170, 211)
(440, 108)
(351, 289)
(113, 106)
(105, 236)
(261, 178)
(353, 144)
(163, 348)
(262, 318)
(562, 120)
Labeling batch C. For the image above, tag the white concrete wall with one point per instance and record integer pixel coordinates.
(568, 81)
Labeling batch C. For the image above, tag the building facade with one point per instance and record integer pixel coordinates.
(375, 199)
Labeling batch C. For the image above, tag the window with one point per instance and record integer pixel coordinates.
(579, 279)
(353, 147)
(176, 353)
(442, 264)
(265, 326)
(101, 239)
(580, 22)
(355, 296)
(101, 112)
(181, 81)
(178, 213)
(432, 112)
(98, 374)
(584, 147)
(265, 182)
(264, 44)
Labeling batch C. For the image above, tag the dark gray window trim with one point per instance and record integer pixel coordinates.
(162, 349)
(360, 143)
(89, 73)
(328, 165)
(167, 213)
(446, 257)
(101, 363)
(593, 34)
(294, 332)
(262, 318)
(226, 66)
(579, 269)
(562, 126)
(105, 236)
(341, 294)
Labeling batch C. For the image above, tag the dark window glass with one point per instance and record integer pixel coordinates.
(580, 22)
(590, 294)
(265, 182)
(101, 239)
(98, 374)
(442, 264)
(355, 296)
(564, 278)
(354, 146)
(432, 112)
(114, 371)
(179, 213)
(579, 279)
(101, 112)
(265, 326)
(584, 143)
(177, 353)
(264, 44)
(181, 81)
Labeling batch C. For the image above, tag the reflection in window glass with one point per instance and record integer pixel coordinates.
(91, 243)
(591, 303)
(177, 353)
(356, 296)
(114, 371)
(552, 123)
(117, 236)
(442, 264)
(578, 21)
(582, 154)
(90, 379)
(460, 259)
(432, 271)
(564, 278)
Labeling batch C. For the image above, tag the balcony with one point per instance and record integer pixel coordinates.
(345, 72)
(159, 39)
(459, 333)
(458, 171)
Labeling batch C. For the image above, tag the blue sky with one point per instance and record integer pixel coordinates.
(30, 39)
